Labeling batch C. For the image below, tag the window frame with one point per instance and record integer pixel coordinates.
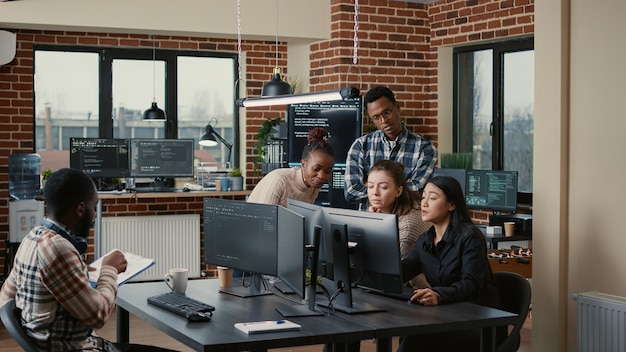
(499, 49)
(170, 105)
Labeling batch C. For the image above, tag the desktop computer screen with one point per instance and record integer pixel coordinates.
(491, 190)
(100, 157)
(245, 236)
(161, 157)
(343, 119)
(375, 247)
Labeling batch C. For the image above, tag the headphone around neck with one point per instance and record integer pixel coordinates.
(78, 242)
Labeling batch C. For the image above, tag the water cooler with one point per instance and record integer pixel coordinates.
(24, 210)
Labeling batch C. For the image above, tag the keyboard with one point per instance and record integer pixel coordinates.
(177, 303)
(155, 189)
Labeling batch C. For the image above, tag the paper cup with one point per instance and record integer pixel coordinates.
(509, 228)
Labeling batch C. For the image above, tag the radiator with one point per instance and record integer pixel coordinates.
(601, 322)
(173, 241)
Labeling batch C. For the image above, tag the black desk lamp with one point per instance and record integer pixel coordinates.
(210, 138)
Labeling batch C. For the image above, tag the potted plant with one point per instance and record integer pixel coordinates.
(456, 160)
(263, 138)
(236, 179)
(44, 176)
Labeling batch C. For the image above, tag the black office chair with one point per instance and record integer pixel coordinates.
(515, 293)
(11, 316)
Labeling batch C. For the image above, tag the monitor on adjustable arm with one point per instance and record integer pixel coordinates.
(292, 265)
(243, 236)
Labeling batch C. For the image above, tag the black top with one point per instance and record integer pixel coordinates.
(457, 267)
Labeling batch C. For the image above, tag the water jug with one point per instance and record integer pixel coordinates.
(24, 171)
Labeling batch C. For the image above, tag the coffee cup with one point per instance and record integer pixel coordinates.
(225, 276)
(176, 279)
(509, 228)
(225, 182)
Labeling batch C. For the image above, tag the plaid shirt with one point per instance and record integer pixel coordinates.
(49, 282)
(416, 153)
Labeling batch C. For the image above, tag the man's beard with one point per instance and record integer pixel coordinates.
(85, 224)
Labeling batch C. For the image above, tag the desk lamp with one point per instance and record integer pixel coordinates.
(210, 138)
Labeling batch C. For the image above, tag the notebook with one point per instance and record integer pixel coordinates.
(259, 327)
(136, 265)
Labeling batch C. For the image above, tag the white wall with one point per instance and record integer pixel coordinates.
(579, 162)
(303, 19)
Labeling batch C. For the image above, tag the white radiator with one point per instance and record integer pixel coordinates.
(173, 241)
(601, 322)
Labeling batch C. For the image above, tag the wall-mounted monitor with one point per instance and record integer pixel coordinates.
(100, 157)
(161, 157)
(491, 190)
(343, 119)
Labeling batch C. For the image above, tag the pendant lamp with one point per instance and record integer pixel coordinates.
(154, 113)
(276, 86)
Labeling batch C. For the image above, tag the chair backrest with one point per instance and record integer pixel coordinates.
(11, 318)
(515, 293)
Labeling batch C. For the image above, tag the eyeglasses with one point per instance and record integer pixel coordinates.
(385, 114)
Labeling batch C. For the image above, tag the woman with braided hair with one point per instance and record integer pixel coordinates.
(301, 183)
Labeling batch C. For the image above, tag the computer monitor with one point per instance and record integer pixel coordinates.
(242, 236)
(100, 157)
(365, 250)
(458, 174)
(343, 119)
(313, 217)
(161, 157)
(292, 257)
(492, 190)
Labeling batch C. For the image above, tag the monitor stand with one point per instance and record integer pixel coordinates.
(341, 274)
(255, 288)
(310, 308)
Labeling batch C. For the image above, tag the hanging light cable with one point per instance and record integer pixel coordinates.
(154, 113)
(276, 86)
(288, 98)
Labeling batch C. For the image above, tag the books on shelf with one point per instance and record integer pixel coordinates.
(136, 265)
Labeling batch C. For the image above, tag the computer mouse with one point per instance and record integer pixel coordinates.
(199, 316)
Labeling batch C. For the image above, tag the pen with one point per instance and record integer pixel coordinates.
(266, 322)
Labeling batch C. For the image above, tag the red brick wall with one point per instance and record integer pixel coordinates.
(393, 50)
(16, 103)
(397, 47)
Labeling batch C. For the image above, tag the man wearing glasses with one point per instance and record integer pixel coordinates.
(391, 141)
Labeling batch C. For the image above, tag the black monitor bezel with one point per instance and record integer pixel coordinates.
(510, 206)
(121, 171)
(189, 169)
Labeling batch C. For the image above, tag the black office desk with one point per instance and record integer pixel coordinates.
(401, 318)
(219, 334)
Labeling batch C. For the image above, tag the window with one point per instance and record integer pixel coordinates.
(102, 92)
(493, 107)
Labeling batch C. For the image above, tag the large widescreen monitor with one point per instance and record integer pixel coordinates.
(161, 157)
(343, 119)
(100, 157)
(491, 190)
